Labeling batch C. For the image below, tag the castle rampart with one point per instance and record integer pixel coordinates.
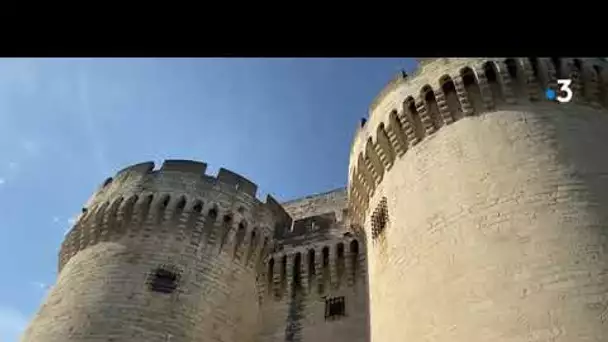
(475, 211)
(179, 190)
(200, 239)
(315, 268)
(447, 90)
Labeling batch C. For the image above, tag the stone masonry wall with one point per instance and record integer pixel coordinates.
(294, 306)
(507, 242)
(477, 205)
(495, 227)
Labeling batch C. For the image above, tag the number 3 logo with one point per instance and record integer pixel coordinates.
(564, 87)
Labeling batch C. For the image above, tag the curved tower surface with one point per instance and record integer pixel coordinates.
(485, 204)
(162, 255)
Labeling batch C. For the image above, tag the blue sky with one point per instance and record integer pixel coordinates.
(67, 124)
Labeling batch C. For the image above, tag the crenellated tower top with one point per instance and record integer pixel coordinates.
(178, 188)
(412, 108)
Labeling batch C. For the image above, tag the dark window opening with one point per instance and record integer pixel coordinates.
(411, 105)
(283, 271)
(539, 78)
(468, 77)
(419, 130)
(534, 65)
(335, 307)
(428, 93)
(490, 72)
(600, 82)
(557, 64)
(340, 260)
(340, 250)
(198, 207)
(252, 244)
(181, 204)
(354, 253)
(311, 264)
(379, 219)
(354, 247)
(451, 97)
(325, 256)
(212, 213)
(598, 71)
(270, 278)
(227, 219)
(297, 274)
(448, 86)
(431, 104)
(511, 68)
(253, 240)
(163, 281)
(518, 82)
(166, 201)
(469, 80)
(578, 64)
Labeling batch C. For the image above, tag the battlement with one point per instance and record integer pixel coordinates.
(185, 166)
(402, 78)
(178, 192)
(445, 90)
(144, 174)
(315, 269)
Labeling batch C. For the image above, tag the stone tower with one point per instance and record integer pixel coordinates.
(485, 205)
(162, 255)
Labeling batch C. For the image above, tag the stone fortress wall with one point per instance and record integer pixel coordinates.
(208, 242)
(317, 262)
(484, 203)
(474, 211)
(162, 255)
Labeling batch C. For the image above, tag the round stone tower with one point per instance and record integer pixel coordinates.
(485, 204)
(162, 255)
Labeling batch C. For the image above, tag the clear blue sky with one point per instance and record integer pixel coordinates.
(66, 125)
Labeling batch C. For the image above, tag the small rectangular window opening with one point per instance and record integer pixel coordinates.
(163, 281)
(334, 308)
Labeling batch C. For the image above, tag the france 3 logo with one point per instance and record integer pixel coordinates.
(563, 94)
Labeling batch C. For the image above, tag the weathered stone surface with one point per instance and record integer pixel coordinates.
(497, 224)
(494, 228)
